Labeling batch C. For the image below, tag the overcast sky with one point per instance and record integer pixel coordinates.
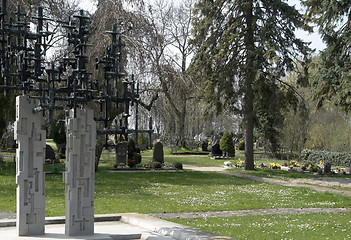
(314, 38)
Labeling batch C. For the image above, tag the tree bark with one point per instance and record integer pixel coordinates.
(248, 81)
(181, 126)
(100, 141)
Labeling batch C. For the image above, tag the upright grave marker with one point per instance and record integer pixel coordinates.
(158, 155)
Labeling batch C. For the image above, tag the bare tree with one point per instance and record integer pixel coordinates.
(165, 47)
(107, 14)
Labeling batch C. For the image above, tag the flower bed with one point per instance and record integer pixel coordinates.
(291, 166)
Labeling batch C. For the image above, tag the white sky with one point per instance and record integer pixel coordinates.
(314, 38)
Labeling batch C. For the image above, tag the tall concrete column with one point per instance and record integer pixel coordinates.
(80, 172)
(30, 157)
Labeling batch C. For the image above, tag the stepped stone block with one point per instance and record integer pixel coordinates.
(80, 172)
(30, 157)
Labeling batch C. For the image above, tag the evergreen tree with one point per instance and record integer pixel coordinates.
(244, 48)
(227, 145)
(333, 77)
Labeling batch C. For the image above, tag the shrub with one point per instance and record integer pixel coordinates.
(56, 169)
(137, 158)
(57, 130)
(131, 148)
(178, 165)
(335, 158)
(1, 158)
(241, 145)
(226, 145)
(313, 168)
(131, 163)
(156, 165)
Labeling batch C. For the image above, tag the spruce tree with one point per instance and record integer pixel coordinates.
(333, 78)
(244, 48)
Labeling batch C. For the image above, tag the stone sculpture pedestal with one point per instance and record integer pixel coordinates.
(80, 171)
(30, 157)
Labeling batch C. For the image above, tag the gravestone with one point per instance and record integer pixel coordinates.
(50, 154)
(158, 153)
(121, 153)
(215, 150)
(142, 147)
(327, 167)
(204, 146)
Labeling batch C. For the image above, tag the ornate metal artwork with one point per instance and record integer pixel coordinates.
(63, 85)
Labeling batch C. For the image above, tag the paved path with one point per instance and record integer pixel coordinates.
(249, 212)
(318, 184)
(124, 226)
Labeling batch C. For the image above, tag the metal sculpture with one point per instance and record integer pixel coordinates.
(62, 85)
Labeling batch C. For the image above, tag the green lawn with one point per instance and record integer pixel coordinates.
(290, 226)
(156, 192)
(147, 192)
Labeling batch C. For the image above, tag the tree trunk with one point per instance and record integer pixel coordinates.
(100, 141)
(248, 81)
(181, 125)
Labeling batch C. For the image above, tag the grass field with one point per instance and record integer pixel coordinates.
(146, 192)
(290, 226)
(157, 192)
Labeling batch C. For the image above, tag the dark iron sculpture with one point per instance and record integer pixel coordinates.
(66, 83)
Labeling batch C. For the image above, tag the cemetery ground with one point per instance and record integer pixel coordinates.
(218, 202)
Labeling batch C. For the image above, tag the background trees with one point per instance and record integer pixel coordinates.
(241, 57)
(332, 80)
(165, 49)
(244, 48)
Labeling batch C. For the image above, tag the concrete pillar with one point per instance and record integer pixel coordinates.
(30, 157)
(80, 171)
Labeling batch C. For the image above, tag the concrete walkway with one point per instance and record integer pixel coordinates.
(318, 184)
(115, 227)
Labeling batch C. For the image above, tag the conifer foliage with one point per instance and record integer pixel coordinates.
(227, 145)
(333, 77)
(243, 50)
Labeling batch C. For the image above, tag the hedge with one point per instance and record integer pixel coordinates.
(335, 158)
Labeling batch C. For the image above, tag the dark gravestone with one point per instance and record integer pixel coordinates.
(50, 154)
(204, 146)
(142, 147)
(121, 153)
(215, 150)
(158, 153)
(327, 167)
